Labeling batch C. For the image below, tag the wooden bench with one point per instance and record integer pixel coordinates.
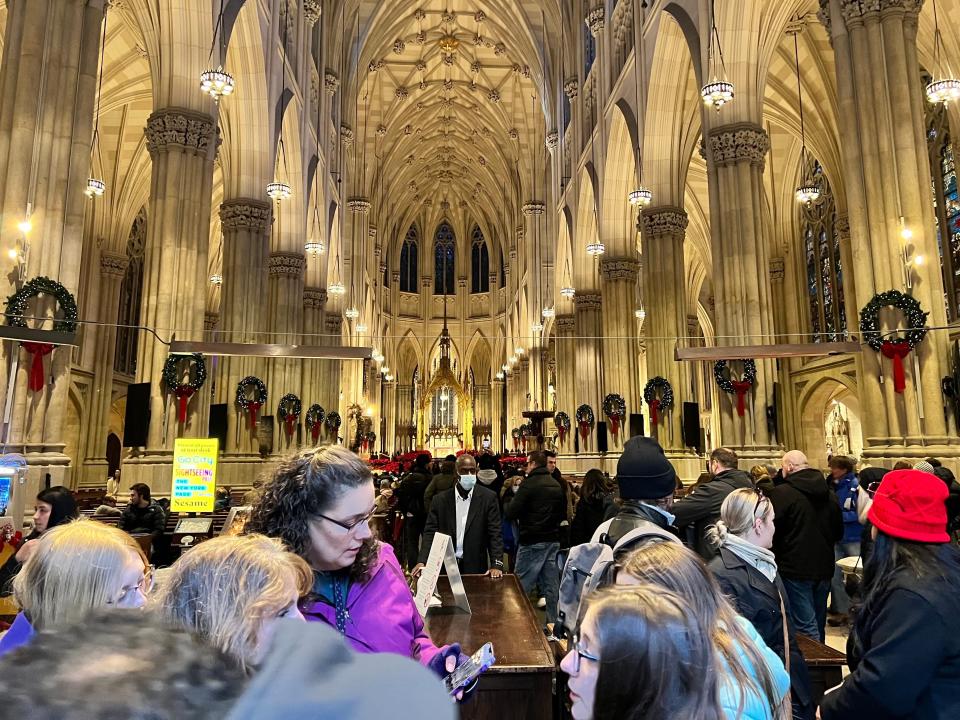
(825, 663)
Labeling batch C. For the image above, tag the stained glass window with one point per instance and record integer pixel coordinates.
(946, 205)
(589, 50)
(821, 245)
(408, 262)
(479, 263)
(443, 272)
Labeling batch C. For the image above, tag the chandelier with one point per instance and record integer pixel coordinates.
(809, 190)
(719, 91)
(945, 88)
(314, 247)
(217, 83)
(536, 327)
(596, 248)
(216, 279)
(641, 197)
(568, 292)
(640, 313)
(500, 375)
(336, 288)
(95, 188)
(352, 313)
(279, 191)
(548, 312)
(362, 327)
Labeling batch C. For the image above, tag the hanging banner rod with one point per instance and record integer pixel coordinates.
(752, 352)
(270, 350)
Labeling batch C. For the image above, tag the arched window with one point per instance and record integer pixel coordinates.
(946, 205)
(479, 263)
(443, 271)
(408, 262)
(131, 292)
(821, 243)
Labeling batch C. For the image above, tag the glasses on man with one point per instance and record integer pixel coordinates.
(580, 654)
(135, 596)
(349, 526)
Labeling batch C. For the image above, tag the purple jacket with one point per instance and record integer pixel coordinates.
(381, 615)
(19, 634)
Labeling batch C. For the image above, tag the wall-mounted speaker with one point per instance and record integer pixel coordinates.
(636, 424)
(217, 428)
(265, 434)
(601, 437)
(691, 424)
(136, 419)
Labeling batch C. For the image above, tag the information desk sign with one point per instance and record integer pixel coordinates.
(194, 474)
(441, 556)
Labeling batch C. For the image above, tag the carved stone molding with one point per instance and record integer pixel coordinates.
(113, 264)
(333, 324)
(664, 221)
(552, 139)
(285, 263)
(179, 128)
(595, 20)
(565, 324)
(359, 205)
(842, 225)
(776, 268)
(533, 207)
(395, 276)
(740, 142)
(314, 298)
(210, 320)
(346, 135)
(854, 11)
(311, 11)
(620, 269)
(462, 281)
(588, 301)
(571, 87)
(331, 82)
(246, 214)
(426, 281)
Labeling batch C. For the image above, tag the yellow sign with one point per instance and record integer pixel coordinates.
(194, 474)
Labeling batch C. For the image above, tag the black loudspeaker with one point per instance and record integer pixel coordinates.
(217, 427)
(136, 420)
(636, 424)
(601, 437)
(772, 425)
(691, 424)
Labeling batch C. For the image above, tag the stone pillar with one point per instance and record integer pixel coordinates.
(333, 325)
(621, 371)
(112, 269)
(589, 359)
(312, 371)
(887, 177)
(532, 216)
(286, 321)
(497, 427)
(744, 312)
(47, 87)
(566, 349)
(246, 226)
(389, 414)
(663, 231)
(404, 417)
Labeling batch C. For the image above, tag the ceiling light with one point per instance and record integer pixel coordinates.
(279, 191)
(808, 193)
(95, 188)
(216, 279)
(217, 83)
(568, 292)
(314, 247)
(352, 313)
(717, 93)
(596, 248)
(25, 226)
(361, 327)
(640, 313)
(641, 197)
(548, 312)
(500, 375)
(536, 327)
(336, 289)
(518, 351)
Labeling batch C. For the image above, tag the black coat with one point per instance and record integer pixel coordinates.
(588, 516)
(701, 508)
(539, 506)
(904, 653)
(410, 493)
(756, 598)
(808, 524)
(149, 520)
(482, 539)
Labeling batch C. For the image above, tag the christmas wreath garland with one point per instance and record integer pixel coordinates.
(515, 434)
(369, 440)
(896, 348)
(16, 310)
(562, 422)
(615, 408)
(526, 432)
(251, 405)
(333, 422)
(184, 391)
(661, 403)
(314, 420)
(288, 411)
(721, 373)
(585, 420)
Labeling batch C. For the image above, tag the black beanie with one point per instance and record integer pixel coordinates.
(643, 472)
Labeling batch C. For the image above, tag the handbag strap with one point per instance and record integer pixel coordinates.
(788, 700)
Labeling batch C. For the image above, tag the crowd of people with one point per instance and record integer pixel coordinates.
(703, 593)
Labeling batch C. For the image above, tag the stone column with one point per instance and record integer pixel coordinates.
(404, 417)
(286, 320)
(532, 214)
(621, 371)
(389, 413)
(887, 179)
(330, 395)
(566, 349)
(246, 226)
(497, 426)
(589, 359)
(663, 232)
(744, 312)
(312, 371)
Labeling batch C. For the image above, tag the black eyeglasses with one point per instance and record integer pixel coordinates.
(760, 498)
(351, 525)
(579, 653)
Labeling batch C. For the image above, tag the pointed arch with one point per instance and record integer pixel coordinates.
(479, 262)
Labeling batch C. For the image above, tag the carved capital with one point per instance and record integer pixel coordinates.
(595, 20)
(179, 129)
(314, 298)
(395, 276)
(855, 11)
(346, 135)
(740, 142)
(462, 281)
(331, 82)
(571, 87)
(285, 263)
(333, 324)
(533, 207)
(426, 281)
(246, 214)
(842, 225)
(311, 11)
(664, 221)
(620, 269)
(588, 301)
(566, 324)
(113, 264)
(359, 205)
(210, 320)
(553, 139)
(776, 268)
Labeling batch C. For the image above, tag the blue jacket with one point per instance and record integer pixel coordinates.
(19, 634)
(848, 488)
(755, 707)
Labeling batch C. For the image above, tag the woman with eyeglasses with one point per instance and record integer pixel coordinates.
(74, 569)
(319, 503)
(642, 652)
(746, 571)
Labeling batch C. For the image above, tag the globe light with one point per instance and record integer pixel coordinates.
(217, 83)
(25, 226)
(717, 93)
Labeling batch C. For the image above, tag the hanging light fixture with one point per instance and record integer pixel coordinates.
(314, 245)
(718, 91)
(336, 287)
(596, 248)
(217, 83)
(279, 190)
(809, 190)
(641, 197)
(216, 279)
(362, 328)
(95, 186)
(548, 312)
(500, 375)
(568, 290)
(536, 327)
(943, 88)
(640, 313)
(352, 313)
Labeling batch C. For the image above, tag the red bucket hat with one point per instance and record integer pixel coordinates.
(909, 504)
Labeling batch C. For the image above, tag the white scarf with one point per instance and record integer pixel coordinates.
(760, 558)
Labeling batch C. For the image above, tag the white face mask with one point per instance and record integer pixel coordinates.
(468, 481)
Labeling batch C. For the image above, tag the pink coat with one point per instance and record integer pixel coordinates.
(381, 616)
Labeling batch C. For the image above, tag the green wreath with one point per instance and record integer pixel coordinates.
(183, 391)
(660, 404)
(314, 420)
(721, 373)
(909, 306)
(17, 303)
(288, 411)
(333, 421)
(251, 405)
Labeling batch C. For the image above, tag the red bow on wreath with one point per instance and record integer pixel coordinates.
(655, 411)
(183, 393)
(584, 429)
(896, 350)
(741, 388)
(315, 430)
(289, 421)
(37, 351)
(253, 407)
(561, 433)
(614, 424)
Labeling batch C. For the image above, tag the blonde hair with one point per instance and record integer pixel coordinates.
(76, 567)
(759, 472)
(674, 567)
(224, 589)
(737, 515)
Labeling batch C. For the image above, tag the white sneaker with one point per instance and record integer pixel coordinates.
(542, 603)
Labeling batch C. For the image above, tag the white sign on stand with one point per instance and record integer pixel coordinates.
(441, 556)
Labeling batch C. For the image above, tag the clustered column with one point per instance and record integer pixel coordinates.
(286, 321)
(312, 371)
(589, 363)
(567, 380)
(621, 371)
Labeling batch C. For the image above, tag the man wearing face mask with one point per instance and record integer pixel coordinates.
(470, 515)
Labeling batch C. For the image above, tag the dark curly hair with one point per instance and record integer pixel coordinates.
(303, 486)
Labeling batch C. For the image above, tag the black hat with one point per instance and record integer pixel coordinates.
(643, 472)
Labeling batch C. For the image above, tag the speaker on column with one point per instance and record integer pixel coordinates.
(601, 437)
(136, 419)
(691, 424)
(217, 427)
(636, 424)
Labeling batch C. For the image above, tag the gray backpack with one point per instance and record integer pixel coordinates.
(590, 566)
